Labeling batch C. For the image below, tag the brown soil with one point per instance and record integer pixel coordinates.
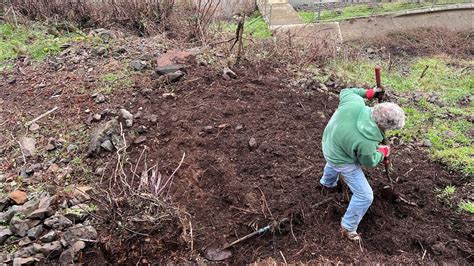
(226, 186)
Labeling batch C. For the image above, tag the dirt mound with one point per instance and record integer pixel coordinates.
(230, 184)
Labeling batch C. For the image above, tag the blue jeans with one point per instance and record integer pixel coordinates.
(362, 195)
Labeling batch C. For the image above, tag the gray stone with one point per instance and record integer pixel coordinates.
(48, 237)
(129, 122)
(450, 134)
(141, 129)
(4, 202)
(24, 252)
(239, 127)
(100, 51)
(208, 129)
(427, 143)
(51, 146)
(19, 226)
(228, 74)
(172, 77)
(28, 146)
(100, 134)
(253, 143)
(35, 232)
(79, 232)
(33, 168)
(72, 147)
(168, 69)
(29, 207)
(118, 142)
(57, 222)
(153, 118)
(77, 213)
(139, 140)
(97, 117)
(100, 98)
(34, 127)
(6, 216)
(5, 233)
(138, 65)
(107, 145)
(24, 261)
(68, 256)
(126, 114)
(50, 250)
(25, 241)
(99, 171)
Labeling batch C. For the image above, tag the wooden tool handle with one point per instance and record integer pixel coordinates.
(378, 79)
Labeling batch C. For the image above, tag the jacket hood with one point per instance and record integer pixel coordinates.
(367, 126)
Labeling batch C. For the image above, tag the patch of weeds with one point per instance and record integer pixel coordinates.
(254, 26)
(115, 80)
(467, 206)
(34, 41)
(446, 194)
(443, 125)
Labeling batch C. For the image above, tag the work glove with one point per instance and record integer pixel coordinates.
(385, 150)
(376, 92)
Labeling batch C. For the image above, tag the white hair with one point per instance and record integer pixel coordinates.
(388, 116)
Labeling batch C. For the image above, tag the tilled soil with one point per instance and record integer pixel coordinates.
(230, 187)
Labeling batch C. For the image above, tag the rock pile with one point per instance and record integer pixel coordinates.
(40, 231)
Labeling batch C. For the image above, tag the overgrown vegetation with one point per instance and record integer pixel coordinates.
(254, 26)
(438, 106)
(142, 16)
(35, 41)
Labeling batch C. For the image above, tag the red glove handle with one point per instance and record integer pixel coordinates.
(385, 151)
(370, 94)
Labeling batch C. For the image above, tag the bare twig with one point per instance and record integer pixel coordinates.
(191, 234)
(172, 175)
(27, 124)
(322, 202)
(265, 203)
(424, 71)
(291, 228)
(281, 253)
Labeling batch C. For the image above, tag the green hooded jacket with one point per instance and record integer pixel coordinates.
(352, 136)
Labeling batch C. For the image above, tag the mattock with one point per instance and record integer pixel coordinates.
(386, 159)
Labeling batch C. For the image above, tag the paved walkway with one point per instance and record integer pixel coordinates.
(279, 14)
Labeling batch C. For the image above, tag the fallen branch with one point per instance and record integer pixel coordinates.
(322, 202)
(27, 124)
(407, 201)
(424, 71)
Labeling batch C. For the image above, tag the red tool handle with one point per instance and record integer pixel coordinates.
(378, 79)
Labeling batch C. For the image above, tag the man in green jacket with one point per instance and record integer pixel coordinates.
(351, 140)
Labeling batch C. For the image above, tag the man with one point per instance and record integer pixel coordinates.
(352, 140)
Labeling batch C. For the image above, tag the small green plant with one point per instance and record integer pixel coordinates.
(467, 206)
(447, 192)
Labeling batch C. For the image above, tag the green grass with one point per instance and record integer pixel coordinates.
(254, 26)
(446, 126)
(361, 11)
(115, 80)
(467, 206)
(33, 41)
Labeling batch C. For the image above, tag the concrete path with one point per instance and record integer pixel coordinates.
(278, 13)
